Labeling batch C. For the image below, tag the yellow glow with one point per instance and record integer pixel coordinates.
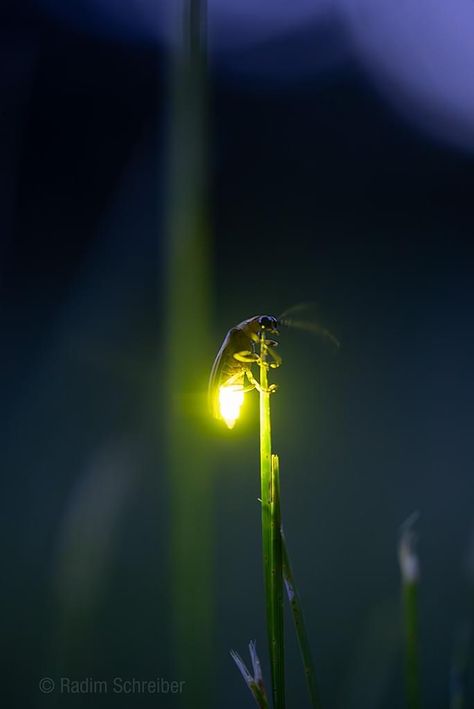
(231, 398)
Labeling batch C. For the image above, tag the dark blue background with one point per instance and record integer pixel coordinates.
(319, 192)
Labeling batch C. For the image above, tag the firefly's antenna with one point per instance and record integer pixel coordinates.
(305, 320)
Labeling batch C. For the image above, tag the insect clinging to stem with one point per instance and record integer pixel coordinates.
(231, 375)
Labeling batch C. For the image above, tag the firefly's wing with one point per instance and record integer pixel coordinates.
(215, 377)
(225, 365)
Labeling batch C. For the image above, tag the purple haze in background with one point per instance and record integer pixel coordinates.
(422, 57)
(232, 23)
(420, 54)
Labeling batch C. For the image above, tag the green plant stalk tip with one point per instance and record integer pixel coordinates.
(253, 681)
(260, 698)
(271, 540)
(300, 627)
(412, 670)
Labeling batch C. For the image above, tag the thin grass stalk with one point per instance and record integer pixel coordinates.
(410, 580)
(459, 668)
(271, 547)
(277, 574)
(300, 627)
(412, 672)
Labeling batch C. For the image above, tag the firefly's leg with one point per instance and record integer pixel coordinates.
(234, 378)
(271, 389)
(275, 356)
(246, 356)
(270, 348)
(239, 378)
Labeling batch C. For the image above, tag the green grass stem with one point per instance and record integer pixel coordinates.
(300, 627)
(272, 561)
(410, 580)
(412, 672)
(459, 667)
(277, 575)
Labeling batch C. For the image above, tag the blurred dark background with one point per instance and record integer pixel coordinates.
(329, 183)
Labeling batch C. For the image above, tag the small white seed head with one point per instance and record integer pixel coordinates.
(407, 556)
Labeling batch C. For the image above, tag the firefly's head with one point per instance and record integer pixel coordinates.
(269, 323)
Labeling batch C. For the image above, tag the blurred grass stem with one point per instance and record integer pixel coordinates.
(187, 317)
(410, 581)
(410, 609)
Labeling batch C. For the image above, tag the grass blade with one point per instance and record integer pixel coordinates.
(410, 578)
(300, 627)
(277, 579)
(272, 562)
(459, 667)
